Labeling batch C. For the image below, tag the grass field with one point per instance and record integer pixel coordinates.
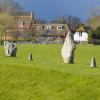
(47, 77)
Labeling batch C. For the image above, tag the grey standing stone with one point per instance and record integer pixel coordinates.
(93, 62)
(68, 49)
(30, 57)
(10, 48)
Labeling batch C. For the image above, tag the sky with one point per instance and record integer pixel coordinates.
(49, 9)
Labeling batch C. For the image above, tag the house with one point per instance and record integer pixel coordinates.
(25, 28)
(50, 33)
(23, 20)
(22, 24)
(57, 30)
(81, 36)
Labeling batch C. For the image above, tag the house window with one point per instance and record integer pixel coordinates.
(59, 27)
(49, 27)
(21, 24)
(39, 27)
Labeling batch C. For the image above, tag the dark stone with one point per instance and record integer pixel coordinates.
(30, 57)
(93, 62)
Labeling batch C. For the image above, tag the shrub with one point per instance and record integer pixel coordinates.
(97, 33)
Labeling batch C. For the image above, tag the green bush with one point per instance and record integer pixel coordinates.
(97, 33)
(90, 32)
(90, 38)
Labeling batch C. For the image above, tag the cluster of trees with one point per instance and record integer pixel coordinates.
(71, 21)
(7, 7)
(94, 23)
(41, 21)
(10, 6)
(6, 21)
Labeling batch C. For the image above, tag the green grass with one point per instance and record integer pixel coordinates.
(47, 77)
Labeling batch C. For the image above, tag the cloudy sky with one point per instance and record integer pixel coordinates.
(48, 9)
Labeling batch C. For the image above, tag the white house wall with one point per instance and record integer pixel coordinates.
(83, 37)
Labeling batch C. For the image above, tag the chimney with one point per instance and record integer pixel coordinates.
(32, 15)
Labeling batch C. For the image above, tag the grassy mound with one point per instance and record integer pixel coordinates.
(47, 77)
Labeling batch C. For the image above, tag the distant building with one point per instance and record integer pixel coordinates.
(81, 36)
(22, 24)
(51, 29)
(23, 20)
(25, 27)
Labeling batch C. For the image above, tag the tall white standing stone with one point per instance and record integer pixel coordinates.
(67, 51)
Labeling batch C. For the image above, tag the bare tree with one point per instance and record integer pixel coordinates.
(95, 12)
(71, 21)
(10, 6)
(6, 21)
(94, 18)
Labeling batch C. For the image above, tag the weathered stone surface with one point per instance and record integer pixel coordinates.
(30, 57)
(10, 48)
(93, 62)
(67, 51)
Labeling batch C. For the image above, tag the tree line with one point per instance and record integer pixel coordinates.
(8, 7)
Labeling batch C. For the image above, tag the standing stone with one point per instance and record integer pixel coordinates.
(68, 49)
(93, 62)
(30, 57)
(10, 48)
